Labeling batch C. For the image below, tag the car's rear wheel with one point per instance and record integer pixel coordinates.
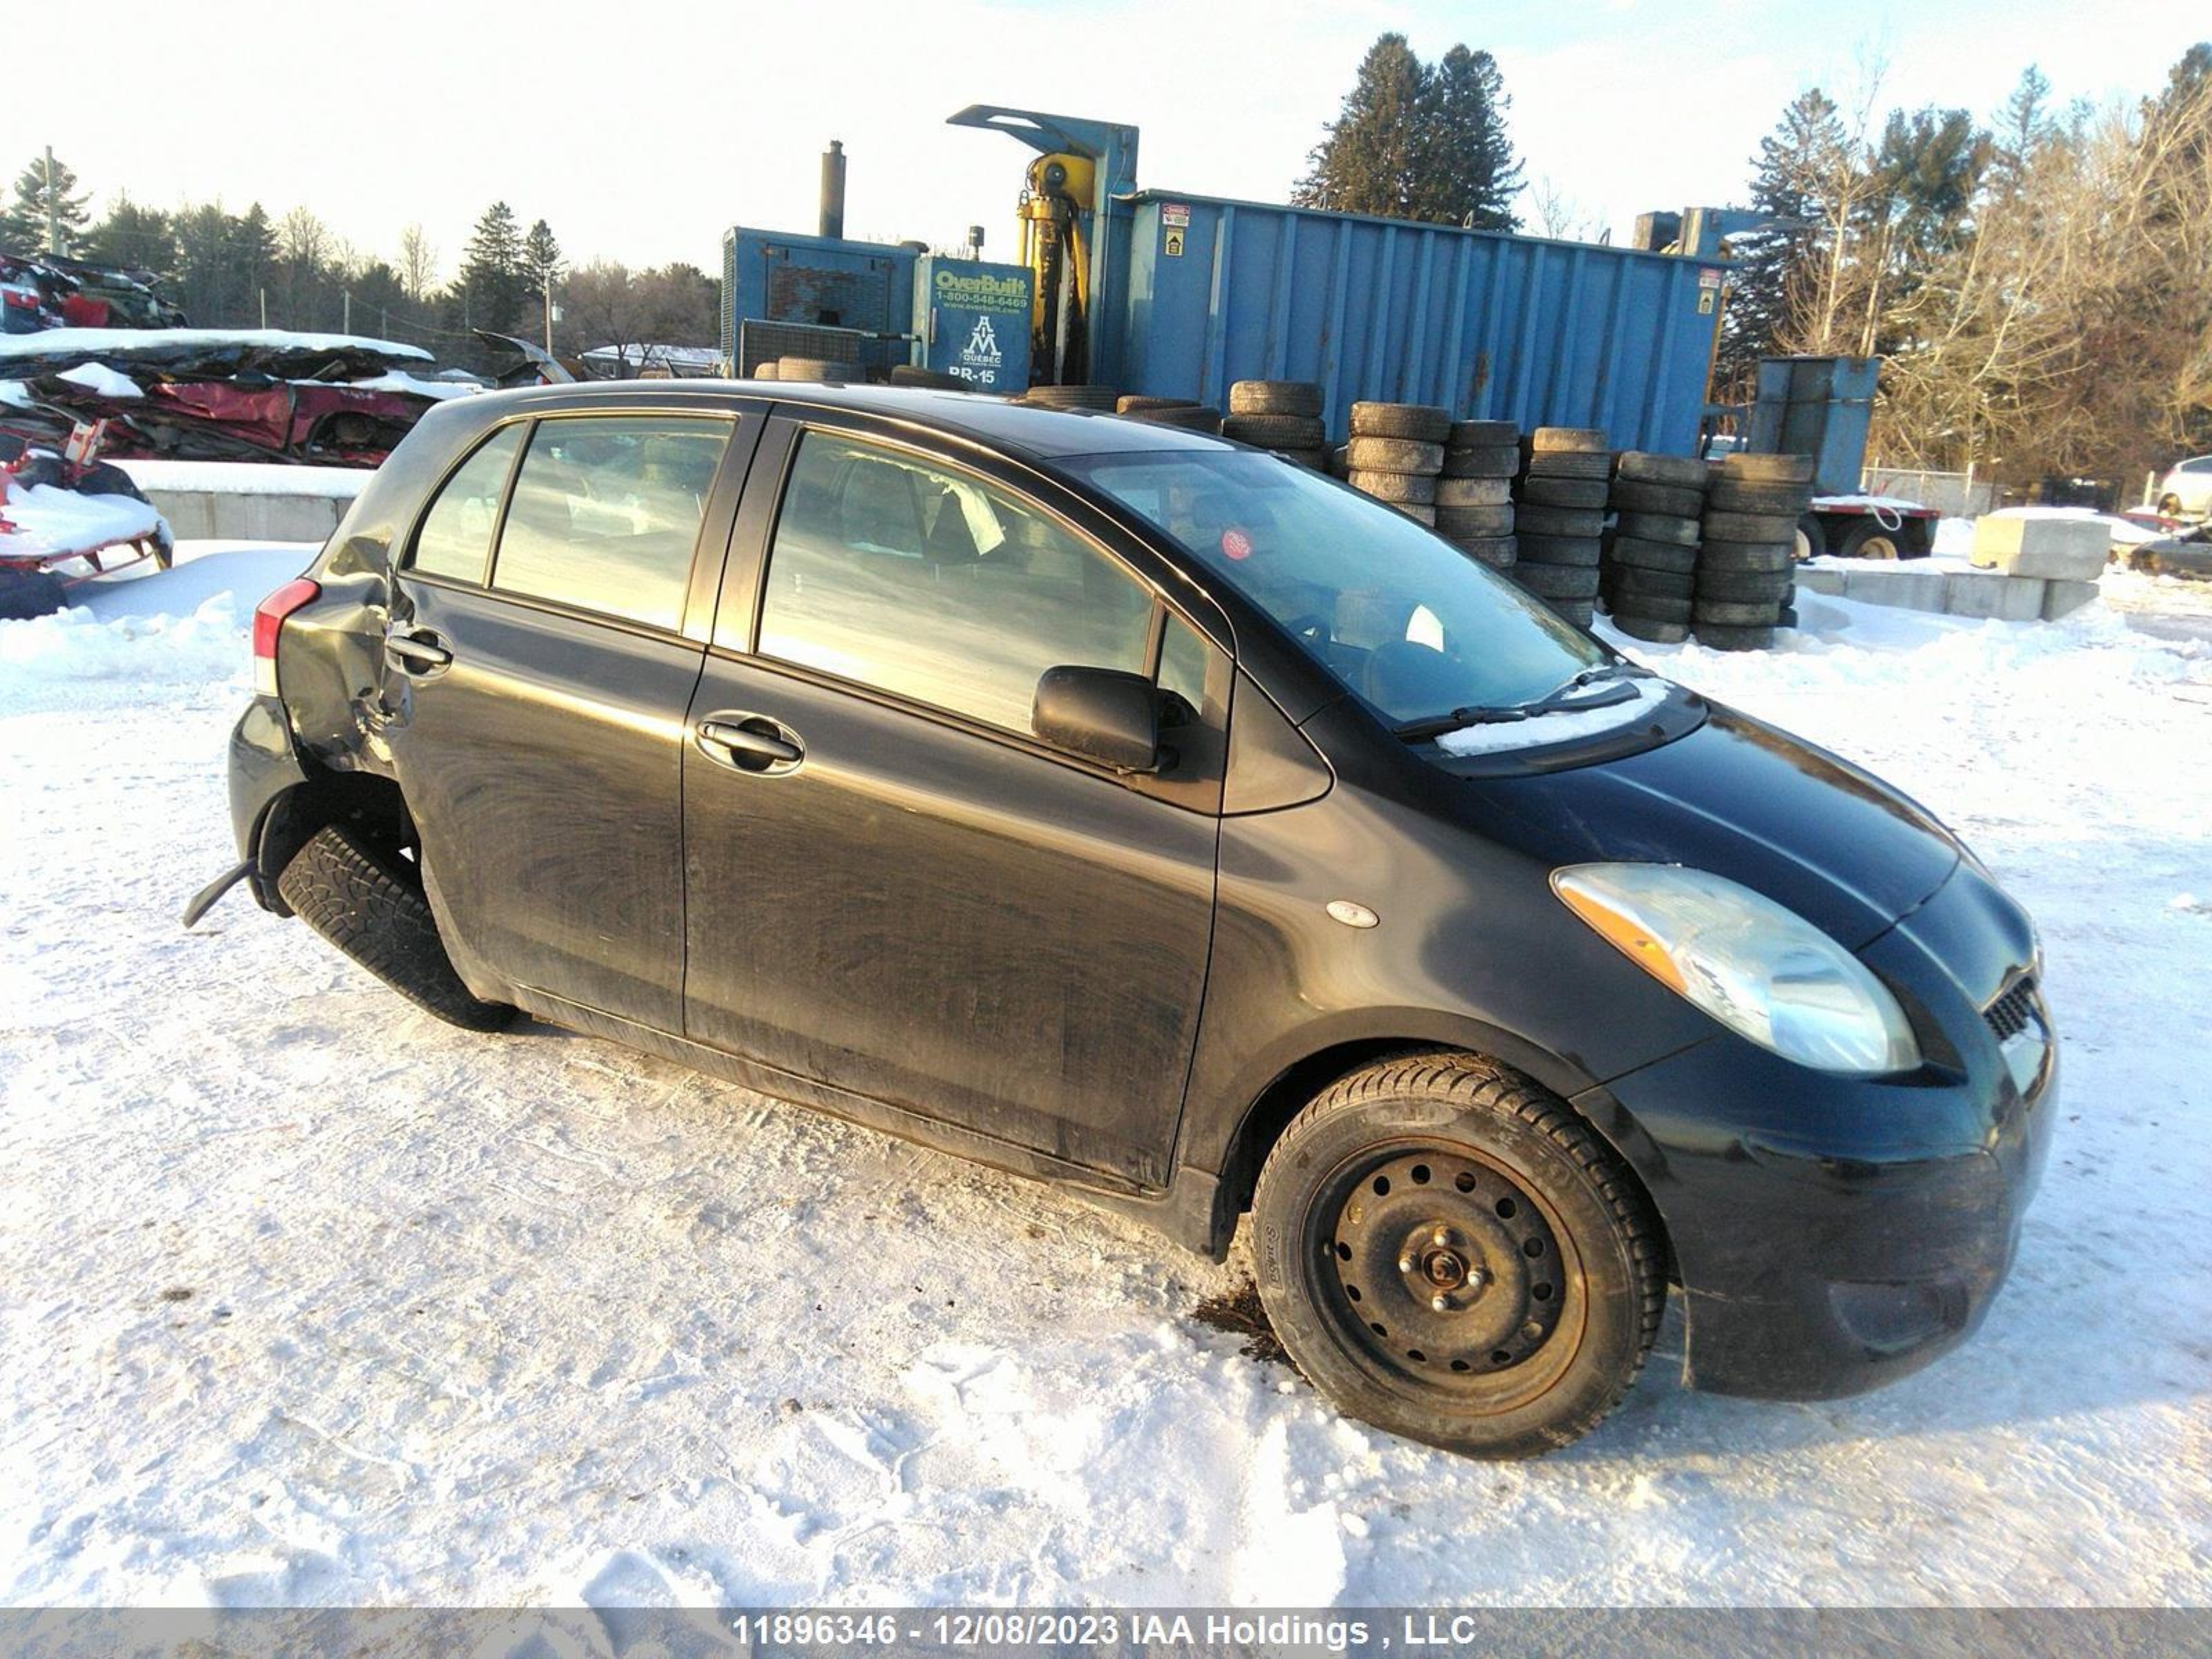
(372, 907)
(1450, 1253)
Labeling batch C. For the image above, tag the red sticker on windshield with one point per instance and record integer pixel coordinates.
(1236, 544)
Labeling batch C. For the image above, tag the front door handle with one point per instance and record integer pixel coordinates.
(751, 742)
(417, 653)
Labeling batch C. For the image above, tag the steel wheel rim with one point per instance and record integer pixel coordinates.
(1473, 1233)
(1878, 547)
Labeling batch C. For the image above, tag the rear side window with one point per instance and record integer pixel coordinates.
(455, 539)
(606, 513)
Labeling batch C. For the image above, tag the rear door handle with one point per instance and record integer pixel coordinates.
(751, 742)
(415, 652)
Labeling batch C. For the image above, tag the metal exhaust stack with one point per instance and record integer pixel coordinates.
(833, 191)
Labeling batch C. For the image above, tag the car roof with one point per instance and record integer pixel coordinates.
(1022, 429)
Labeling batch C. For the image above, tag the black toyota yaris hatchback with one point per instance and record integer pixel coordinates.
(1127, 808)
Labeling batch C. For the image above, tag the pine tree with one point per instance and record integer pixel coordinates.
(1367, 163)
(1465, 172)
(541, 255)
(2023, 127)
(250, 243)
(1417, 141)
(495, 279)
(24, 224)
(134, 237)
(1785, 189)
(208, 284)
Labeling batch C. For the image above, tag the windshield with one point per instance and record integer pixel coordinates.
(1405, 621)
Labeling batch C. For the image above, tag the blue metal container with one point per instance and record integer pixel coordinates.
(1817, 406)
(1489, 325)
(816, 282)
(973, 322)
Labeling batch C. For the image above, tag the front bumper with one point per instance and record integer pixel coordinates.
(1832, 1234)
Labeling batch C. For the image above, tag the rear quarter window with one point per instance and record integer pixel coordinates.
(455, 539)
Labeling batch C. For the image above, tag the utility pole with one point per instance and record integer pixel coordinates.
(346, 297)
(53, 210)
(546, 275)
(264, 308)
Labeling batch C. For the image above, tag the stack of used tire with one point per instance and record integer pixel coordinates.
(1747, 565)
(1559, 517)
(821, 368)
(1475, 493)
(1649, 573)
(1396, 452)
(1099, 398)
(1279, 415)
(1169, 412)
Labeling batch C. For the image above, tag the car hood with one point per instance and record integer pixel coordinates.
(1741, 799)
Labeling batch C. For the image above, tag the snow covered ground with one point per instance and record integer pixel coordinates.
(307, 1298)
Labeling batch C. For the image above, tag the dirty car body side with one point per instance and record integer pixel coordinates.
(1734, 1146)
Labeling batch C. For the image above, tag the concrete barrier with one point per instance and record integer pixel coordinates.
(217, 515)
(1945, 590)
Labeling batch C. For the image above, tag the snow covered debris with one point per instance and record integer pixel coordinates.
(399, 380)
(306, 1298)
(124, 343)
(98, 377)
(51, 522)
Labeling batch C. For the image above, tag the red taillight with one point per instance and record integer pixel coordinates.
(268, 621)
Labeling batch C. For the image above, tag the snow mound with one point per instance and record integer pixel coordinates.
(182, 629)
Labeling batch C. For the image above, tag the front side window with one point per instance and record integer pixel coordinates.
(935, 586)
(606, 513)
(455, 539)
(1404, 620)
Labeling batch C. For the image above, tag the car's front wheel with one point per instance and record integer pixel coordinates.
(1449, 1252)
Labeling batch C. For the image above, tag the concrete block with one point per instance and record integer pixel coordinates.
(1898, 585)
(2062, 598)
(213, 516)
(1819, 579)
(2072, 549)
(284, 518)
(191, 512)
(2002, 598)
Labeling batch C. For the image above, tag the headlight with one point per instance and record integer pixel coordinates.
(1762, 971)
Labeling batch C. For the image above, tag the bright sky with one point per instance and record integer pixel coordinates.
(641, 131)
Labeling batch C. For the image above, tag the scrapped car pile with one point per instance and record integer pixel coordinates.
(40, 291)
(216, 394)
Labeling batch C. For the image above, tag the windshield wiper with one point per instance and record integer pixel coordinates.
(1560, 699)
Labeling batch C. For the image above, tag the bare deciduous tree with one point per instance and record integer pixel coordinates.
(418, 264)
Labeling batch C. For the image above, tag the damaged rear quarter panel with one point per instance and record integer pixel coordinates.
(331, 665)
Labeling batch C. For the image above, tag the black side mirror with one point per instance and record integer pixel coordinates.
(1102, 714)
